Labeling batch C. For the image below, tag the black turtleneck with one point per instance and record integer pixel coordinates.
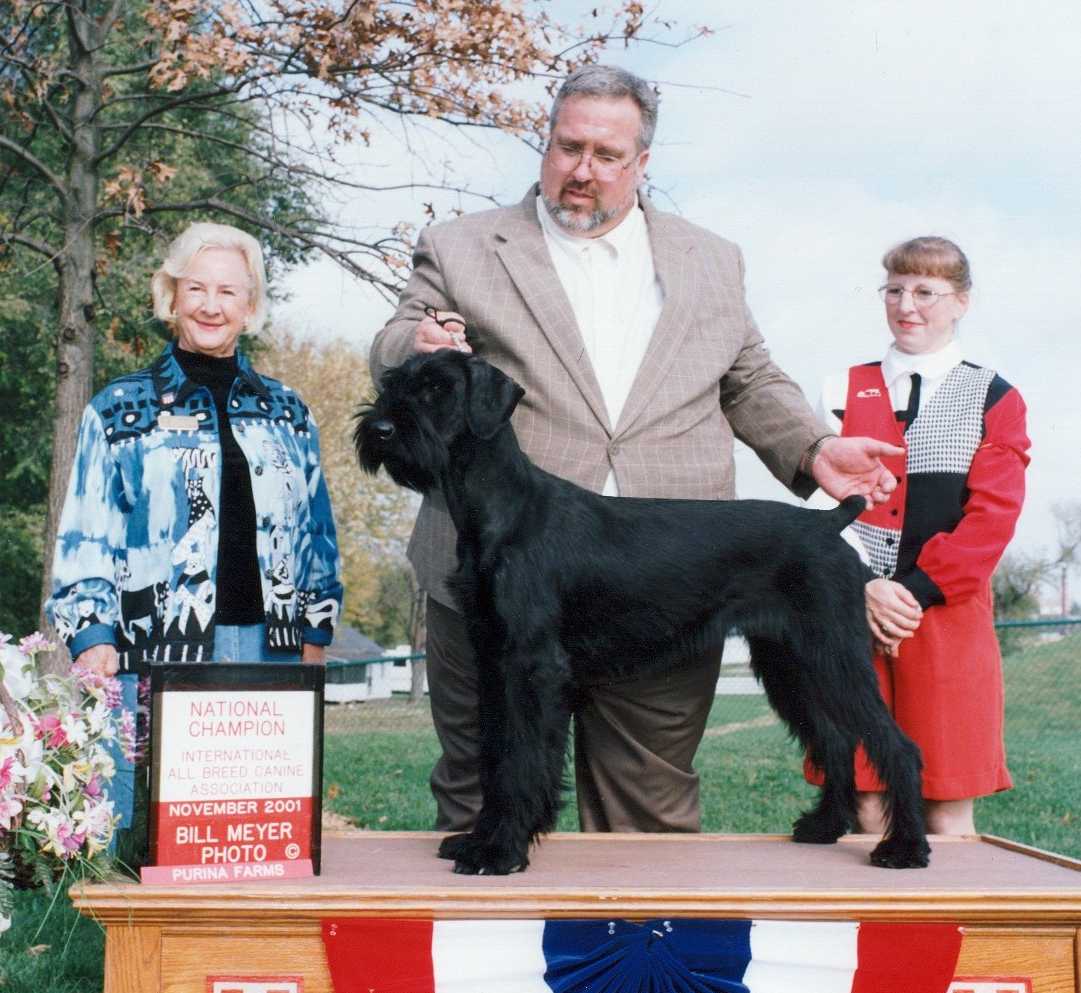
(239, 597)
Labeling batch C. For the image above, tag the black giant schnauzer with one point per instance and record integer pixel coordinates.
(555, 581)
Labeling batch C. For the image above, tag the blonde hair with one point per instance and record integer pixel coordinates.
(189, 243)
(930, 255)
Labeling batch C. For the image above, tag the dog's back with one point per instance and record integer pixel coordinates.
(642, 581)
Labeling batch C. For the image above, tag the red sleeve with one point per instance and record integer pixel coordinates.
(960, 562)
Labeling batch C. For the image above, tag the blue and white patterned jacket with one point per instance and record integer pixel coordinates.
(137, 550)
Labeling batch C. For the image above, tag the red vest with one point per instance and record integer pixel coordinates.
(869, 413)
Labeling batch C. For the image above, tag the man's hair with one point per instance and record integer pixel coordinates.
(613, 83)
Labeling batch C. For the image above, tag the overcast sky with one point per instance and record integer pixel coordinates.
(828, 132)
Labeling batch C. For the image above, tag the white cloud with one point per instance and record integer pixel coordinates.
(864, 123)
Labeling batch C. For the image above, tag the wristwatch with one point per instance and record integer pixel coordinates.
(807, 460)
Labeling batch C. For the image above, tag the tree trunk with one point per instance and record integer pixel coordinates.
(75, 336)
(418, 635)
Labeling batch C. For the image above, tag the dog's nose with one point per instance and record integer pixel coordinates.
(383, 430)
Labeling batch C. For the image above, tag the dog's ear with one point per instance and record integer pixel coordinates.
(490, 398)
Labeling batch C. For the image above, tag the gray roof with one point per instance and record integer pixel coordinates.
(350, 645)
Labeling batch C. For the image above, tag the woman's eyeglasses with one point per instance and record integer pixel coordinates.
(922, 296)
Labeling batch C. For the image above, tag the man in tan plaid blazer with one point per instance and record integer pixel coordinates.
(704, 378)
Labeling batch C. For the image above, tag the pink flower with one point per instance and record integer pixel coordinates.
(114, 696)
(36, 642)
(49, 728)
(73, 841)
(5, 772)
(93, 788)
(127, 734)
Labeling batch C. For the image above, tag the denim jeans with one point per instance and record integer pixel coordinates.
(121, 790)
(247, 643)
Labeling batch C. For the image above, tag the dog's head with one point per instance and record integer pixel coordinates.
(425, 408)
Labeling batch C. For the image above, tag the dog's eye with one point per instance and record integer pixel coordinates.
(430, 391)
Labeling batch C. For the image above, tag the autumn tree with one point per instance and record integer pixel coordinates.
(102, 101)
(374, 516)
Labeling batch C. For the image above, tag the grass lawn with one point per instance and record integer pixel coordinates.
(51, 948)
(378, 756)
(1043, 745)
(378, 777)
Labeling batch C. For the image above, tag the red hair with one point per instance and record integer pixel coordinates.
(930, 256)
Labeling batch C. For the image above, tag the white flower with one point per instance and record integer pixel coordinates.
(18, 671)
(60, 834)
(102, 763)
(10, 808)
(100, 720)
(96, 822)
(75, 729)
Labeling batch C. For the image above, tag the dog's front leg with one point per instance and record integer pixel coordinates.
(524, 718)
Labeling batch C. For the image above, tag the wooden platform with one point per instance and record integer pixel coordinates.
(1021, 908)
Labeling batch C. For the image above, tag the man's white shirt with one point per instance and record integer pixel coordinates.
(616, 298)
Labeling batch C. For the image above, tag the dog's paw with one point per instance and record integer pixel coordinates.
(452, 844)
(474, 857)
(816, 828)
(901, 853)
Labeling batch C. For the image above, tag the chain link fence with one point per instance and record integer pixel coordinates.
(380, 745)
(1042, 661)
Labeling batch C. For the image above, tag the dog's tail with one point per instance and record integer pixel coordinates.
(847, 511)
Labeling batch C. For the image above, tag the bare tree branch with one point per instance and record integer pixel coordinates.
(36, 164)
(41, 247)
(133, 126)
(317, 241)
(130, 70)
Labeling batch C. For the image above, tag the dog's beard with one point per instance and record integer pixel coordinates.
(412, 462)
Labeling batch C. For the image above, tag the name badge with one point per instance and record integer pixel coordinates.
(177, 422)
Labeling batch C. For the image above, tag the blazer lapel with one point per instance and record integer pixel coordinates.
(524, 252)
(673, 258)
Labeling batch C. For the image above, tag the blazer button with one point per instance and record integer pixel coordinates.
(898, 478)
(613, 449)
(258, 470)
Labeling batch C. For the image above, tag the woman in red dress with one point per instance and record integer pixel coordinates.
(933, 546)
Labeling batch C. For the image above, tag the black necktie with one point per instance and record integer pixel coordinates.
(913, 407)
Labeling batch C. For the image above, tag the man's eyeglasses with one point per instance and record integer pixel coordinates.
(921, 296)
(605, 166)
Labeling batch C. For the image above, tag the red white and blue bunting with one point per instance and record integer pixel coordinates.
(659, 956)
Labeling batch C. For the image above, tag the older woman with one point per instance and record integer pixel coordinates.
(933, 546)
(197, 524)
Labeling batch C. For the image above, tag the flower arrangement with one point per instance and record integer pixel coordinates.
(57, 739)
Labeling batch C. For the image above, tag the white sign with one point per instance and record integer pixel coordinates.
(235, 745)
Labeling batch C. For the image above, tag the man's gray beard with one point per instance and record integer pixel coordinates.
(574, 220)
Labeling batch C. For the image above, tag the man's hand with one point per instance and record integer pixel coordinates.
(850, 466)
(313, 654)
(440, 329)
(101, 659)
(892, 613)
